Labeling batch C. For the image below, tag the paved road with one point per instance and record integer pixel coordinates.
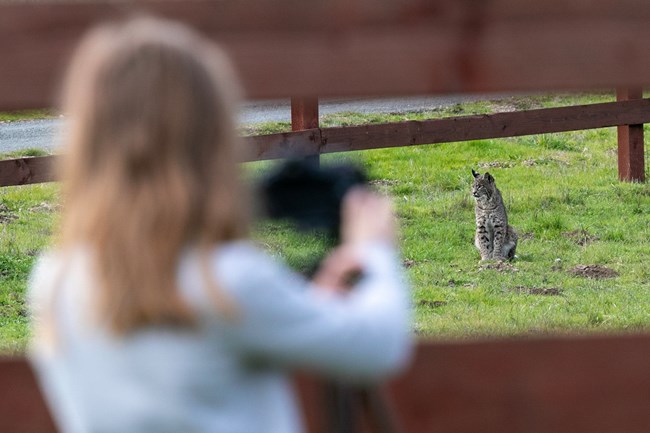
(42, 134)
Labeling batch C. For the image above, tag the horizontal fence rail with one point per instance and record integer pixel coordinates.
(539, 385)
(327, 140)
(555, 385)
(23, 171)
(359, 47)
(22, 407)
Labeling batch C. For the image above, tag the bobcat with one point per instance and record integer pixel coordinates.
(495, 239)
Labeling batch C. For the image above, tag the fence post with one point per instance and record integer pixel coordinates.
(304, 115)
(631, 164)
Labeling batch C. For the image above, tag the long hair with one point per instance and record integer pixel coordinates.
(151, 165)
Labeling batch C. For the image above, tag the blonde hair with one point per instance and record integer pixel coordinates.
(150, 166)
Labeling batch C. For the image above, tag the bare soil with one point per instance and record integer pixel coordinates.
(408, 263)
(498, 266)
(541, 291)
(432, 304)
(581, 237)
(46, 208)
(6, 214)
(496, 164)
(526, 236)
(383, 182)
(596, 272)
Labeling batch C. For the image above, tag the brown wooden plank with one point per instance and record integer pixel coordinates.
(455, 129)
(571, 384)
(596, 384)
(554, 385)
(283, 145)
(593, 384)
(22, 171)
(360, 47)
(22, 409)
(631, 158)
(36, 39)
(485, 126)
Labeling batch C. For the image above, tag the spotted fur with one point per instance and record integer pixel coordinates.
(495, 239)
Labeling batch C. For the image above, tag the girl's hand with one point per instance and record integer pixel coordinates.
(367, 216)
(338, 270)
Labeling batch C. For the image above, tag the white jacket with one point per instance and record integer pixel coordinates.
(223, 376)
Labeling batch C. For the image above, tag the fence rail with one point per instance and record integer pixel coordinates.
(539, 385)
(317, 141)
(550, 385)
(360, 47)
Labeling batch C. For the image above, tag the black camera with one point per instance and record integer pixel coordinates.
(308, 195)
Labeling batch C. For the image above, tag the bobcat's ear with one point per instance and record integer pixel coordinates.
(488, 177)
(475, 174)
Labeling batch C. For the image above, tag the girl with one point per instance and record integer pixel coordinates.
(154, 313)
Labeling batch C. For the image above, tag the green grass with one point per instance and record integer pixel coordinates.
(27, 218)
(554, 186)
(562, 197)
(12, 116)
(22, 153)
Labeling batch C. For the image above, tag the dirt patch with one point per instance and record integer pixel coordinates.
(432, 304)
(13, 306)
(408, 263)
(557, 265)
(419, 331)
(526, 236)
(581, 237)
(455, 283)
(13, 310)
(543, 161)
(495, 164)
(383, 182)
(498, 266)
(596, 272)
(383, 186)
(6, 214)
(540, 291)
(45, 207)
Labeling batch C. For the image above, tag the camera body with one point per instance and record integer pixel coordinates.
(308, 195)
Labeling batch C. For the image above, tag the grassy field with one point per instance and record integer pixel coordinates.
(584, 237)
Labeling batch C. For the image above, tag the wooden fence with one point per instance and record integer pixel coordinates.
(364, 47)
(550, 385)
(315, 141)
(401, 47)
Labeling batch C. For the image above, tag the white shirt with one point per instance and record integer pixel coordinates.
(222, 376)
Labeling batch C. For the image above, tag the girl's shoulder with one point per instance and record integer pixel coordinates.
(238, 268)
(242, 255)
(52, 267)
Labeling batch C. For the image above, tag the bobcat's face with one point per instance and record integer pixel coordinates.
(483, 186)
